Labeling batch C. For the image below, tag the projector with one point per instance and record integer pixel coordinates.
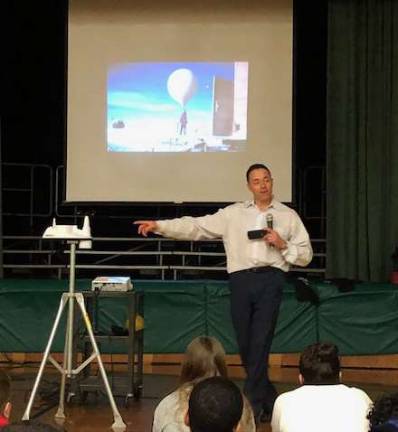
(112, 283)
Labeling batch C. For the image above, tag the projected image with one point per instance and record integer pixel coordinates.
(177, 107)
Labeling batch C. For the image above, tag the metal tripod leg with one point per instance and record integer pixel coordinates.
(68, 354)
(60, 414)
(66, 370)
(118, 421)
(64, 300)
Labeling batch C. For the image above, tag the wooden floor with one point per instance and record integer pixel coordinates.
(95, 414)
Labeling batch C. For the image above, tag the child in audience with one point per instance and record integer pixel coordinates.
(204, 358)
(383, 416)
(322, 403)
(215, 405)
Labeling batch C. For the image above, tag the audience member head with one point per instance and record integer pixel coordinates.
(5, 394)
(320, 364)
(204, 358)
(215, 405)
(383, 416)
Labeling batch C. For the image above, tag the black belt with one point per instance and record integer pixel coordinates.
(262, 269)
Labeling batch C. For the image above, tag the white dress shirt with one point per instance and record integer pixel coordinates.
(326, 408)
(232, 224)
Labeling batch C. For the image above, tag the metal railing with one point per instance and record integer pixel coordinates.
(136, 256)
(32, 194)
(25, 182)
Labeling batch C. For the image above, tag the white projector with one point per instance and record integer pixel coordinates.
(112, 283)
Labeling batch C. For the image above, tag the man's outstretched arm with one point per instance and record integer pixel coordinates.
(187, 228)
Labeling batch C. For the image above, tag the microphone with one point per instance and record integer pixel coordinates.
(270, 224)
(270, 221)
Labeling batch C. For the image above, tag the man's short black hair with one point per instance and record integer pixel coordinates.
(215, 405)
(320, 364)
(254, 167)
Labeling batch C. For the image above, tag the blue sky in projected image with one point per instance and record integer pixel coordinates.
(140, 89)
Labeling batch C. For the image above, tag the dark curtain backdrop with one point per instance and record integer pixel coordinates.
(362, 138)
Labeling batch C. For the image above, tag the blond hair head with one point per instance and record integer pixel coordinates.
(204, 358)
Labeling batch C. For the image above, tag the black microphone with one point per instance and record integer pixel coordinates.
(270, 224)
(270, 221)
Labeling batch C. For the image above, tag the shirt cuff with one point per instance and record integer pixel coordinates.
(290, 253)
(160, 227)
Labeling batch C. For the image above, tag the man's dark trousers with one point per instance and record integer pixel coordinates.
(256, 295)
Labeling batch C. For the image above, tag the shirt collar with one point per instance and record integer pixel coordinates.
(250, 203)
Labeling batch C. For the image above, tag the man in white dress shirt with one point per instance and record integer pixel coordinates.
(256, 270)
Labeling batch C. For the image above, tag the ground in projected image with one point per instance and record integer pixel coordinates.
(177, 107)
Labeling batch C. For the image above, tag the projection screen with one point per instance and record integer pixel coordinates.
(172, 101)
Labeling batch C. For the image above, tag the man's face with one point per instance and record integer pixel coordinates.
(260, 184)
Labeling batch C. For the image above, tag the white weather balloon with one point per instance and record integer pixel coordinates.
(182, 85)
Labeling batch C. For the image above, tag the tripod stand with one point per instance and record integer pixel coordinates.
(66, 369)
